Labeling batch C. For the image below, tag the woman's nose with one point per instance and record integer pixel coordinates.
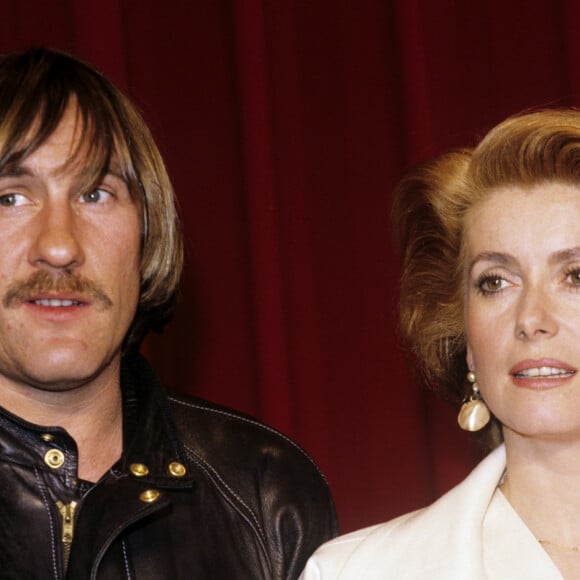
(535, 316)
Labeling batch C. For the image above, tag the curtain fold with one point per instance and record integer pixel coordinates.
(263, 211)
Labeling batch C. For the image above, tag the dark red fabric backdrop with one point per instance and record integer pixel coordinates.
(285, 124)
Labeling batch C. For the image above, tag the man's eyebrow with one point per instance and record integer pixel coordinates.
(499, 258)
(12, 170)
(114, 172)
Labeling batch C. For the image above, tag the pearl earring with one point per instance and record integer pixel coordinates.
(474, 414)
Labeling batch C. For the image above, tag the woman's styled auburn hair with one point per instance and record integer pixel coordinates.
(429, 210)
(35, 89)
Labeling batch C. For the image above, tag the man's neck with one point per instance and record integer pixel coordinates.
(91, 414)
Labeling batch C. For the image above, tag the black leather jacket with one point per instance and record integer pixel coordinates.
(200, 492)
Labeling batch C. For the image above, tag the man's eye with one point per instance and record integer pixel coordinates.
(12, 200)
(95, 196)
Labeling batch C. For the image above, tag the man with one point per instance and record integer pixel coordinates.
(102, 475)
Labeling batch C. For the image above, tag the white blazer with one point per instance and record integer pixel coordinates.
(470, 533)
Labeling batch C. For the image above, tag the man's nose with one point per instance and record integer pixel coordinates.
(56, 243)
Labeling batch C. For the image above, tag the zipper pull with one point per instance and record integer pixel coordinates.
(67, 511)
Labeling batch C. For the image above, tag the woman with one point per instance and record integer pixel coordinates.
(490, 304)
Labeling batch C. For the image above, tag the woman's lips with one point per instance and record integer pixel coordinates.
(541, 373)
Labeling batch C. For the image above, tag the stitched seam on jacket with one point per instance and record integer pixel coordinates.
(51, 520)
(126, 560)
(251, 422)
(213, 475)
(112, 536)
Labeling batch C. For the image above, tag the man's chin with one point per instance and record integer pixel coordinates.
(63, 375)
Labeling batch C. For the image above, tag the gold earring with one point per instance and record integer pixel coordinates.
(474, 414)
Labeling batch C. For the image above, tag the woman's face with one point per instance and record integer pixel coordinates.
(523, 307)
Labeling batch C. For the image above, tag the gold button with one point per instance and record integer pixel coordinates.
(54, 458)
(47, 437)
(149, 495)
(139, 469)
(177, 469)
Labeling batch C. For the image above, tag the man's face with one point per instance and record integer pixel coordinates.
(69, 267)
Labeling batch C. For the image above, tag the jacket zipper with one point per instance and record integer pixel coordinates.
(67, 511)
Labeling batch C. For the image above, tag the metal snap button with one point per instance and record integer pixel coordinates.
(54, 458)
(177, 469)
(139, 469)
(149, 495)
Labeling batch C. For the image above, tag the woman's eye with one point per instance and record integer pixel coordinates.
(95, 196)
(574, 277)
(491, 284)
(12, 200)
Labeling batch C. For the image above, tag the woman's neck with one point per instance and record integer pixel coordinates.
(542, 484)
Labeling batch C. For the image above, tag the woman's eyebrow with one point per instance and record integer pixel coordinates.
(499, 258)
(566, 255)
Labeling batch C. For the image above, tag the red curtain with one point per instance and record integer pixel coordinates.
(285, 125)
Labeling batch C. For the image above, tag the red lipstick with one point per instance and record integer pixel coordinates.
(541, 374)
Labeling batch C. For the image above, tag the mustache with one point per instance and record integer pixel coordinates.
(44, 282)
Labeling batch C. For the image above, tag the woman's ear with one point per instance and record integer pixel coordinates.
(469, 359)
